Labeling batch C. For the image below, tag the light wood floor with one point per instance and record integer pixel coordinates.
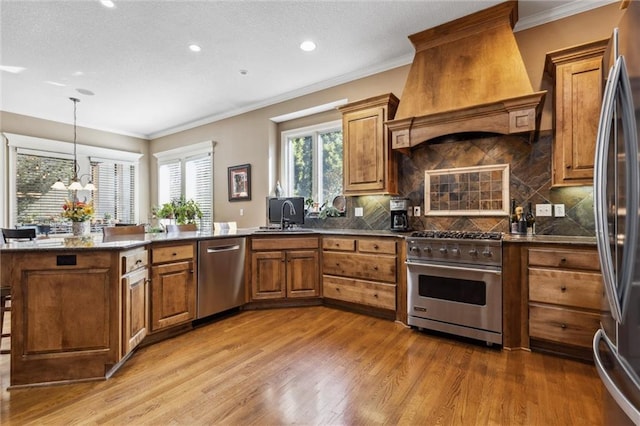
(319, 365)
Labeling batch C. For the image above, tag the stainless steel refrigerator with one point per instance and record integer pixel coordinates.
(616, 345)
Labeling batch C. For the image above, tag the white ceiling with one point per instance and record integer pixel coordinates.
(146, 82)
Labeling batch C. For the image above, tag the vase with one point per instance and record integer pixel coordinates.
(81, 228)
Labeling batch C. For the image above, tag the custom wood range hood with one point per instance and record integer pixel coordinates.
(467, 76)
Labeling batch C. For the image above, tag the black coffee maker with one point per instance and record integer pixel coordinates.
(399, 216)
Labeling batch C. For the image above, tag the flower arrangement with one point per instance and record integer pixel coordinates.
(77, 211)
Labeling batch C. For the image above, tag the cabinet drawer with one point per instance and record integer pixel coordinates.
(366, 266)
(564, 326)
(134, 260)
(340, 244)
(284, 243)
(565, 287)
(572, 259)
(369, 293)
(172, 253)
(377, 246)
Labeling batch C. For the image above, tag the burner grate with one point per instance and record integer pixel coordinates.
(464, 235)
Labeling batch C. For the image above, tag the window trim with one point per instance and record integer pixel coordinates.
(285, 160)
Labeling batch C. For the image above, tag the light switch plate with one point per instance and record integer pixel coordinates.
(558, 210)
(416, 210)
(543, 210)
(359, 212)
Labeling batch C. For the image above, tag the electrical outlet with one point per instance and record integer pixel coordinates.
(359, 212)
(241, 212)
(416, 210)
(558, 210)
(543, 210)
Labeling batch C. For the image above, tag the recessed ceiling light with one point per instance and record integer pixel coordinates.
(85, 92)
(307, 46)
(244, 72)
(55, 83)
(194, 48)
(78, 73)
(108, 3)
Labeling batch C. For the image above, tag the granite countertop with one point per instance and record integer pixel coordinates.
(97, 242)
(549, 239)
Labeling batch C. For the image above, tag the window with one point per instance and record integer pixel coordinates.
(36, 163)
(36, 201)
(188, 172)
(115, 196)
(312, 159)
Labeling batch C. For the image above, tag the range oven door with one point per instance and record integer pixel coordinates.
(460, 300)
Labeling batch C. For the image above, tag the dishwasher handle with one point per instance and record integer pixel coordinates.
(223, 248)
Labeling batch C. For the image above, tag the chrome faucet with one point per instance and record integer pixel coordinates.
(292, 210)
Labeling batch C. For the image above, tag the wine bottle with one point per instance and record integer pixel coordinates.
(522, 220)
(513, 220)
(531, 221)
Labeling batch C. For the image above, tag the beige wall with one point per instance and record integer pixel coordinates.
(253, 138)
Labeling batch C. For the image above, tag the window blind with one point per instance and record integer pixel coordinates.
(115, 196)
(199, 186)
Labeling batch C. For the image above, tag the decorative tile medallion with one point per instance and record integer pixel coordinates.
(467, 191)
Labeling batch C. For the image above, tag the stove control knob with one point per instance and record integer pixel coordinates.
(455, 250)
(443, 250)
(473, 252)
(414, 249)
(487, 253)
(427, 249)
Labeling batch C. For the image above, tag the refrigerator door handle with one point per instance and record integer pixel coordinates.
(613, 390)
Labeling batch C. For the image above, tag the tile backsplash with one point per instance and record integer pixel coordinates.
(529, 181)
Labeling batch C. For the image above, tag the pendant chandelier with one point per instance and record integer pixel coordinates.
(75, 181)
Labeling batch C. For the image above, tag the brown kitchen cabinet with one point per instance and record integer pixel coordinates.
(284, 268)
(135, 298)
(66, 316)
(173, 285)
(361, 271)
(370, 166)
(578, 79)
(566, 296)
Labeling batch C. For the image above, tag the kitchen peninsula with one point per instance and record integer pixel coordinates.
(81, 305)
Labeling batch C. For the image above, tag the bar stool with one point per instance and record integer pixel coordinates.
(5, 300)
(5, 289)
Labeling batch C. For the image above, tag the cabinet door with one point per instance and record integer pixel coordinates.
(268, 275)
(173, 294)
(302, 274)
(364, 150)
(135, 311)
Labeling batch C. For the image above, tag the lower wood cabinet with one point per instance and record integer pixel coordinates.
(566, 296)
(284, 268)
(135, 300)
(173, 285)
(362, 271)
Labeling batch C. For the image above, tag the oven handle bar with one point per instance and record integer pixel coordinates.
(457, 268)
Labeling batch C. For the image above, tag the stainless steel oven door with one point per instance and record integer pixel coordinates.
(456, 299)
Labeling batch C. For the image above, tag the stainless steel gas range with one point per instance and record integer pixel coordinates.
(454, 283)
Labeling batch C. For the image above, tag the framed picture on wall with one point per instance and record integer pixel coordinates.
(239, 179)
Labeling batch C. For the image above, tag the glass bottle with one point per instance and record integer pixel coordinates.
(531, 221)
(513, 220)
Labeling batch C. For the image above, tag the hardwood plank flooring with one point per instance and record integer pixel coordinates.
(318, 365)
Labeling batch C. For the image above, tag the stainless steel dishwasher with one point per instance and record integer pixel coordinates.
(220, 275)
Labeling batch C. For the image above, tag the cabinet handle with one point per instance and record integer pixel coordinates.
(564, 259)
(375, 246)
(375, 268)
(139, 261)
(338, 289)
(563, 326)
(375, 295)
(568, 166)
(174, 254)
(563, 288)
(191, 271)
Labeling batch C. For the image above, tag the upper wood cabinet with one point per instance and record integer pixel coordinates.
(370, 166)
(578, 78)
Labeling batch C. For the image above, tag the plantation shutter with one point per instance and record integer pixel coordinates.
(199, 186)
(115, 196)
(169, 181)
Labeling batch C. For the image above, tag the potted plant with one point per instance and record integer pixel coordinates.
(183, 211)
